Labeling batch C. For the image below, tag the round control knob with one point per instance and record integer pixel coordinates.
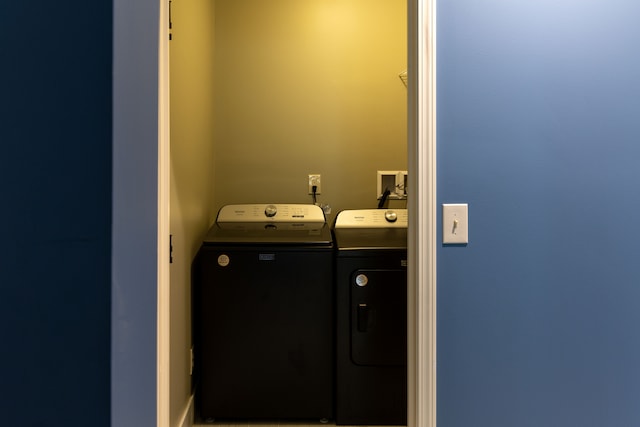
(270, 211)
(391, 216)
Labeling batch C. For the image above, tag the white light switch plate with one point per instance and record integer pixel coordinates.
(455, 223)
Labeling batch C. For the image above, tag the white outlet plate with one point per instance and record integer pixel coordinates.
(455, 223)
(314, 179)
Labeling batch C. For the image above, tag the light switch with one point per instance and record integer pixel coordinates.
(455, 223)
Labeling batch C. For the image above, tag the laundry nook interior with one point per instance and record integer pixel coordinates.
(283, 115)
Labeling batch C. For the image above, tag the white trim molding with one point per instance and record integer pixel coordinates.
(422, 213)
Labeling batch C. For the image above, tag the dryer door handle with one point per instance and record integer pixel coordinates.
(363, 317)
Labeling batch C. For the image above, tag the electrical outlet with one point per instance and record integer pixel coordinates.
(314, 179)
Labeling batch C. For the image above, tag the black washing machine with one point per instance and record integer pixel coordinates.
(264, 315)
(371, 310)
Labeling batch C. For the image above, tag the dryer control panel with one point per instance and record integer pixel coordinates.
(372, 218)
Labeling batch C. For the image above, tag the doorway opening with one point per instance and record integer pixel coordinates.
(186, 220)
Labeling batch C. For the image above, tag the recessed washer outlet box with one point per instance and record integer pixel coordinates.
(395, 182)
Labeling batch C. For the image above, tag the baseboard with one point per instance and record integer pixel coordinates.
(188, 417)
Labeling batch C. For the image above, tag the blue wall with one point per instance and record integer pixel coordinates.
(55, 170)
(135, 213)
(538, 125)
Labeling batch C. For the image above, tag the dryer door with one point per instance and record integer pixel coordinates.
(379, 317)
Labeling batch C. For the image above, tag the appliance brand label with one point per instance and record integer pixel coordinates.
(266, 257)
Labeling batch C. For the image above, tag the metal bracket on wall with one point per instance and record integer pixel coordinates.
(404, 77)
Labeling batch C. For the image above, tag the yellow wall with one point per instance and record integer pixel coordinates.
(192, 162)
(308, 87)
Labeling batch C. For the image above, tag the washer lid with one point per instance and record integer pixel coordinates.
(251, 213)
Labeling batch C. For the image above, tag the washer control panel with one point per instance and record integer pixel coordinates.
(271, 213)
(372, 218)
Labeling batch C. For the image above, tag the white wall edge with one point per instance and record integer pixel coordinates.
(163, 404)
(134, 232)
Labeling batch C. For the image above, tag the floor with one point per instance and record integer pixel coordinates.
(269, 424)
(260, 424)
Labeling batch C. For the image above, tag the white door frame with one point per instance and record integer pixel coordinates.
(422, 214)
(163, 357)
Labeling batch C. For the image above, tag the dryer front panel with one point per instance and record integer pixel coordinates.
(378, 299)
